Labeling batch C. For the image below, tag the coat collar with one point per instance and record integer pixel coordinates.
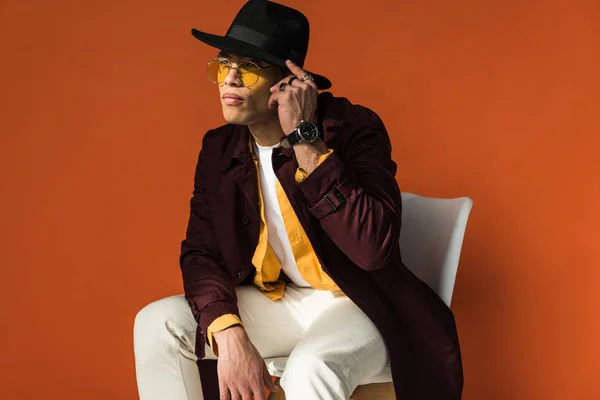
(239, 148)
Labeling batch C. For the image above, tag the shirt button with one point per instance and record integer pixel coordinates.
(245, 220)
(240, 273)
(300, 177)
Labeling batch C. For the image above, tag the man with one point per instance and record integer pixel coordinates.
(292, 246)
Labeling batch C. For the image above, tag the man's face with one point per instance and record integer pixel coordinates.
(244, 105)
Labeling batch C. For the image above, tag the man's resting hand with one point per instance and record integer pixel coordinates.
(242, 372)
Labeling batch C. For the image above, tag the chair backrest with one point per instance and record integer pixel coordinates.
(431, 239)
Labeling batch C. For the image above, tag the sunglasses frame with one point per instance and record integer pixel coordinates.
(230, 66)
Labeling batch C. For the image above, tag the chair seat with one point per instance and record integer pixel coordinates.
(276, 366)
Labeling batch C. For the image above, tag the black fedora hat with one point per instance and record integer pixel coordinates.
(268, 32)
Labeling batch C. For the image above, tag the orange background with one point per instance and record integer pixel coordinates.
(103, 108)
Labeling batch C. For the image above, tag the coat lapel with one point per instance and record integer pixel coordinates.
(238, 163)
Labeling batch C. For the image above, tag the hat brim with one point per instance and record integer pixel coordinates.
(245, 49)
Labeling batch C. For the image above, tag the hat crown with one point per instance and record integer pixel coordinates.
(269, 32)
(282, 30)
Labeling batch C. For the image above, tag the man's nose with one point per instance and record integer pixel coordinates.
(232, 78)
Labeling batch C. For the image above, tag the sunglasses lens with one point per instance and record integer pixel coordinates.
(215, 71)
(248, 73)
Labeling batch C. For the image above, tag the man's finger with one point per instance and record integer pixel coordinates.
(296, 70)
(223, 392)
(273, 101)
(275, 87)
(269, 380)
(258, 394)
(299, 72)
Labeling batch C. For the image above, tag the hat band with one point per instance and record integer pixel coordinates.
(250, 36)
(260, 40)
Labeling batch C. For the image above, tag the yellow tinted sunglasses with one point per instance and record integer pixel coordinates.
(248, 72)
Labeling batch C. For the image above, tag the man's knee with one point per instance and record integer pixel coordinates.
(154, 319)
(313, 370)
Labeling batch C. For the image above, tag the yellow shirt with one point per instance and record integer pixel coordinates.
(268, 267)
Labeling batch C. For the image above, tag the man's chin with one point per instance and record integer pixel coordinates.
(235, 119)
(235, 122)
(244, 118)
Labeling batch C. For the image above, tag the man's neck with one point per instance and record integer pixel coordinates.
(267, 132)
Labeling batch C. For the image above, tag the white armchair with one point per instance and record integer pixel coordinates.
(430, 242)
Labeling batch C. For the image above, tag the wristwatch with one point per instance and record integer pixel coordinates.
(305, 132)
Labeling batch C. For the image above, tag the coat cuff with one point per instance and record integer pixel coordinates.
(327, 187)
(207, 315)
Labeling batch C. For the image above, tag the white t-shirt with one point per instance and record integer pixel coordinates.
(276, 232)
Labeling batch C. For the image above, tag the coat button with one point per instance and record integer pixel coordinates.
(245, 220)
(240, 274)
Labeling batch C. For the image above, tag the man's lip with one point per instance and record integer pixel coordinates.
(232, 96)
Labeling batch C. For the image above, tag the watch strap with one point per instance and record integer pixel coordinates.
(294, 137)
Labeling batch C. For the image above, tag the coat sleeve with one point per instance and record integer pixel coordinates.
(207, 283)
(355, 196)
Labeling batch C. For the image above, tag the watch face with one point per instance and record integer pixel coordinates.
(309, 131)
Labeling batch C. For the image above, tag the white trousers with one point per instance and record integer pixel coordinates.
(332, 345)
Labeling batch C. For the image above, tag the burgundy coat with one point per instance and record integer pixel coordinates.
(350, 208)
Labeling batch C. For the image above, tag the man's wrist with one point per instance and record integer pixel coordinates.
(318, 146)
(308, 154)
(228, 335)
